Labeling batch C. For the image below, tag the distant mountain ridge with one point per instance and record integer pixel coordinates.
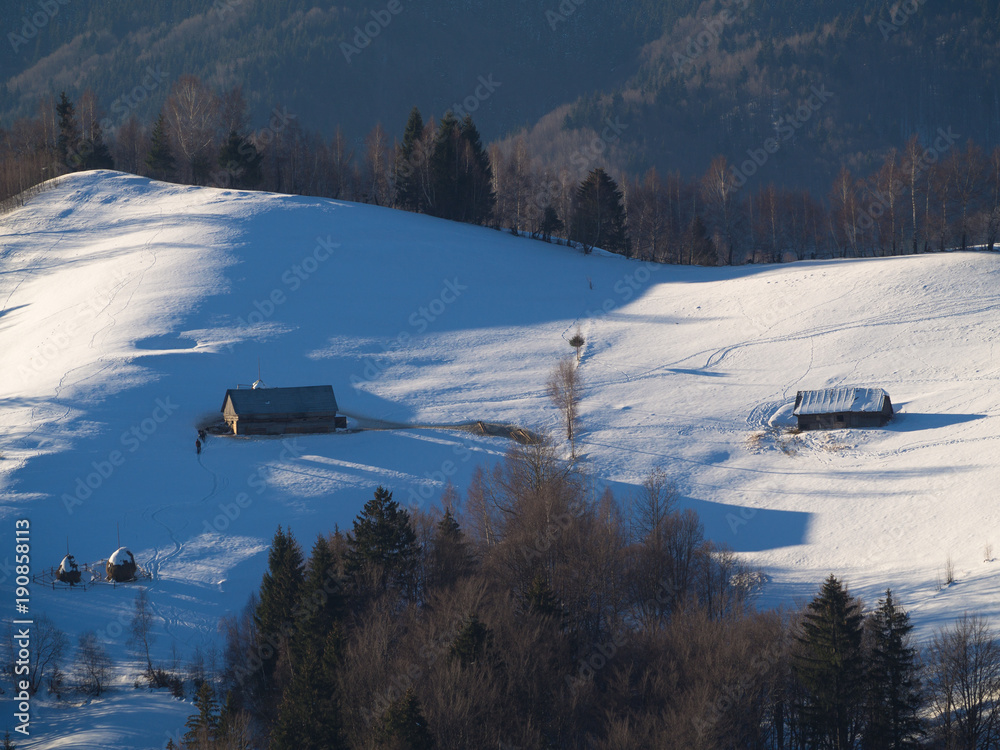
(691, 80)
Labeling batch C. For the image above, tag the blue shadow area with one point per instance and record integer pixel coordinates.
(746, 529)
(914, 422)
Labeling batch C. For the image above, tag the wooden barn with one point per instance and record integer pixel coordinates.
(282, 411)
(836, 408)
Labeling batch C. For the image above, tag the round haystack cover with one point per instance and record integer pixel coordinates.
(68, 572)
(121, 565)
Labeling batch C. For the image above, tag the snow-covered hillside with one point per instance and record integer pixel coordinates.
(128, 307)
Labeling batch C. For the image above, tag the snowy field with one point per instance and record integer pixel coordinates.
(128, 307)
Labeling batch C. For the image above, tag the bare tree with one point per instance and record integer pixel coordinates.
(564, 389)
(964, 665)
(48, 647)
(377, 167)
(192, 114)
(140, 629)
(93, 664)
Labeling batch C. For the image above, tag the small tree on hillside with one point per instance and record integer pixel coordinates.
(93, 664)
(564, 389)
(140, 630)
(577, 342)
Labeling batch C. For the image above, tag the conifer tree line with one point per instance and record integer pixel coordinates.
(531, 614)
(934, 196)
(938, 195)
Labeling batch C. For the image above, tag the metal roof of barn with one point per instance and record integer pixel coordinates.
(304, 399)
(840, 400)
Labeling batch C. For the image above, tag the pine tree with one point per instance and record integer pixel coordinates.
(404, 725)
(699, 247)
(599, 214)
(408, 194)
(828, 663)
(7, 743)
(160, 159)
(541, 600)
(384, 541)
(241, 162)
(471, 643)
(450, 558)
(445, 169)
(309, 715)
(97, 155)
(475, 188)
(550, 223)
(279, 595)
(202, 726)
(894, 696)
(68, 141)
(321, 601)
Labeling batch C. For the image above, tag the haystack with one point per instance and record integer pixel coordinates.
(121, 566)
(68, 571)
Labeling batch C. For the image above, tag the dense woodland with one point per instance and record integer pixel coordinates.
(539, 613)
(927, 195)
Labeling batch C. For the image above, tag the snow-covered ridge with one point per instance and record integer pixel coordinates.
(128, 307)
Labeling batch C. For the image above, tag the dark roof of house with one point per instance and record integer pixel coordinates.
(840, 400)
(302, 400)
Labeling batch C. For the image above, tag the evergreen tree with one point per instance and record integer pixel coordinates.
(471, 643)
(309, 715)
(321, 603)
(541, 600)
(96, 153)
(699, 247)
(550, 223)
(894, 696)
(404, 725)
(7, 743)
(445, 170)
(475, 189)
(599, 214)
(408, 194)
(384, 542)
(202, 726)
(160, 159)
(240, 161)
(450, 558)
(68, 141)
(279, 595)
(829, 665)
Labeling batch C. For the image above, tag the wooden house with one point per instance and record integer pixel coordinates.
(281, 411)
(836, 408)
